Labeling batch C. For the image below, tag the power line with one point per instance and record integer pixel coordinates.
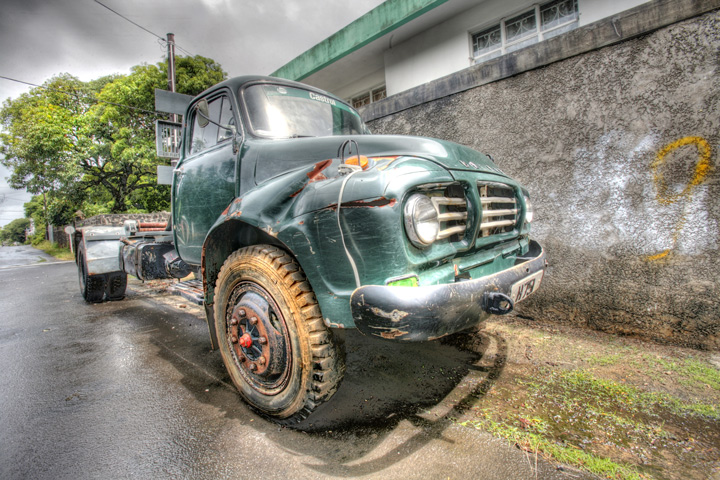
(122, 16)
(79, 97)
(141, 27)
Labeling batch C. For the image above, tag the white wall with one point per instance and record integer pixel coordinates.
(594, 10)
(364, 84)
(445, 48)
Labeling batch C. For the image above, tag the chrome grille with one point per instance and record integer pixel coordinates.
(499, 209)
(451, 206)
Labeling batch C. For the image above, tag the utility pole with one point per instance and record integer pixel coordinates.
(171, 87)
(171, 65)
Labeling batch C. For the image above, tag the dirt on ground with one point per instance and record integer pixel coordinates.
(618, 407)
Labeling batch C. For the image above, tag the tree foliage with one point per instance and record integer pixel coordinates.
(91, 145)
(15, 231)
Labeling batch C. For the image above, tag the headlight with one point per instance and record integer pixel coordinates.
(421, 220)
(530, 212)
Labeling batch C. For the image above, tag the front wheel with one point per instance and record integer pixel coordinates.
(278, 352)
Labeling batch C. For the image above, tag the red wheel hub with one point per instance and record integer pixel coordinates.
(245, 341)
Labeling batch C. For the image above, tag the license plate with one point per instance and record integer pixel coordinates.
(522, 289)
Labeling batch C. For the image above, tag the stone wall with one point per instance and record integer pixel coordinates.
(618, 147)
(118, 219)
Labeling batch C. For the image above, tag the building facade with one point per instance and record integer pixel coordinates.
(405, 43)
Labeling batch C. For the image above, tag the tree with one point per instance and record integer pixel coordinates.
(90, 145)
(15, 230)
(37, 138)
(120, 141)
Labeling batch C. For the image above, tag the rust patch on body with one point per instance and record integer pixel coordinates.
(374, 203)
(378, 202)
(395, 316)
(235, 202)
(268, 229)
(316, 173)
(391, 334)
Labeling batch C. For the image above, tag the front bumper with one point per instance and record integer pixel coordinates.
(427, 313)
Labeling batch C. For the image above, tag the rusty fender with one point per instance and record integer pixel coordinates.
(426, 313)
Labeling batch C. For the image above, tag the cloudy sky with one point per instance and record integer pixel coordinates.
(42, 38)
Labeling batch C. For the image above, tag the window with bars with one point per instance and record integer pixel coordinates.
(539, 23)
(366, 98)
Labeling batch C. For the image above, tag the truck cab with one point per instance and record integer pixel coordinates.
(298, 221)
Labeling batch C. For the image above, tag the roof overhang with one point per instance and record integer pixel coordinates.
(358, 49)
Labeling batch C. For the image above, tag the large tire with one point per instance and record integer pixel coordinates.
(275, 345)
(92, 287)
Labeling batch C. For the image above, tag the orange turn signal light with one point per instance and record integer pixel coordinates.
(361, 161)
(364, 162)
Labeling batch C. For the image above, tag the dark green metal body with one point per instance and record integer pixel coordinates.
(285, 192)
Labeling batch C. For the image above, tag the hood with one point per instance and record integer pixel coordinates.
(449, 155)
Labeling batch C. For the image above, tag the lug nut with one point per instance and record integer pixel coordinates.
(261, 360)
(234, 338)
(253, 320)
(241, 312)
(262, 340)
(253, 367)
(233, 321)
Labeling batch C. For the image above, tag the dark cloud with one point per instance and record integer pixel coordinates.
(42, 38)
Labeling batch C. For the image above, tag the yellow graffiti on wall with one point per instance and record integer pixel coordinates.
(665, 196)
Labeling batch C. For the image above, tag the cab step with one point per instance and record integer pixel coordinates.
(191, 290)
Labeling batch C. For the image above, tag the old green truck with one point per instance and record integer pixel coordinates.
(296, 221)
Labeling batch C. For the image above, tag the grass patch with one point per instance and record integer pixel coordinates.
(569, 454)
(693, 372)
(54, 250)
(605, 360)
(609, 428)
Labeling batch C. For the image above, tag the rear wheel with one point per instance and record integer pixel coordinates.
(275, 345)
(92, 287)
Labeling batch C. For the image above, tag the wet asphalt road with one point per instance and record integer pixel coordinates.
(22, 255)
(130, 389)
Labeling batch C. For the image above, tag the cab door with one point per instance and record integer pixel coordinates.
(206, 178)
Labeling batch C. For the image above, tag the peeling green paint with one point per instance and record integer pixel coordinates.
(383, 19)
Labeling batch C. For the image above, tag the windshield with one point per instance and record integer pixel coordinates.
(287, 112)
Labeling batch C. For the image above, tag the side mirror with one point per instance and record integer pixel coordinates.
(203, 112)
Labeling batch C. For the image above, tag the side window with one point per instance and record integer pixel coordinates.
(206, 137)
(226, 118)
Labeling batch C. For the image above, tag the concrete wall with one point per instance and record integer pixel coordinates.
(619, 148)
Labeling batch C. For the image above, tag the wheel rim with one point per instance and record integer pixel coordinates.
(258, 338)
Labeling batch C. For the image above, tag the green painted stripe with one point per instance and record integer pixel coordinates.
(381, 20)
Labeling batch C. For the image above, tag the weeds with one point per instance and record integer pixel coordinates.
(604, 360)
(616, 429)
(54, 250)
(532, 441)
(693, 372)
